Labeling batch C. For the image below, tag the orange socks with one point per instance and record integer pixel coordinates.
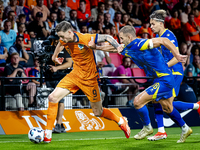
(108, 114)
(51, 115)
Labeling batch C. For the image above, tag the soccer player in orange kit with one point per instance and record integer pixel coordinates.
(84, 76)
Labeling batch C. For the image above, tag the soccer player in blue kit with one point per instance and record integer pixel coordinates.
(145, 54)
(157, 25)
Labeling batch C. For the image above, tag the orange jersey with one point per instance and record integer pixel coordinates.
(83, 57)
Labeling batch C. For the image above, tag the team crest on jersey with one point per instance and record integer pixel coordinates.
(86, 15)
(80, 46)
(168, 34)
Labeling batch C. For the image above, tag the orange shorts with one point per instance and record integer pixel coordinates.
(89, 87)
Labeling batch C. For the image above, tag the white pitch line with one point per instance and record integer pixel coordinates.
(86, 139)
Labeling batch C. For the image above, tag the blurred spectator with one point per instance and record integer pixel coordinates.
(84, 29)
(148, 7)
(30, 4)
(164, 6)
(26, 10)
(5, 3)
(13, 7)
(20, 49)
(175, 23)
(132, 10)
(196, 16)
(106, 30)
(65, 8)
(11, 18)
(3, 55)
(130, 21)
(114, 34)
(55, 7)
(192, 30)
(1, 10)
(117, 21)
(144, 34)
(99, 24)
(193, 70)
(146, 26)
(38, 27)
(184, 14)
(51, 23)
(95, 3)
(8, 36)
(73, 20)
(40, 7)
(195, 52)
(180, 6)
(22, 19)
(27, 40)
(73, 4)
(118, 7)
(61, 17)
(83, 14)
(125, 70)
(34, 72)
(186, 50)
(195, 4)
(109, 9)
(107, 22)
(99, 10)
(14, 69)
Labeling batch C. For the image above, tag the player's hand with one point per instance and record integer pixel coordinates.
(58, 60)
(53, 68)
(120, 49)
(91, 44)
(181, 58)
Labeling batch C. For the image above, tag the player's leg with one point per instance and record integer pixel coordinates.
(176, 117)
(140, 102)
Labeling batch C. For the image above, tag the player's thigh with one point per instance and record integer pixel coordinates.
(142, 99)
(166, 104)
(57, 94)
(97, 108)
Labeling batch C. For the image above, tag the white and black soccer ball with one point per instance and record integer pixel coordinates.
(36, 135)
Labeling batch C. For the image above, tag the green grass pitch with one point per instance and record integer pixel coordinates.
(102, 140)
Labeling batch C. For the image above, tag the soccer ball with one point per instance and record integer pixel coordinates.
(36, 135)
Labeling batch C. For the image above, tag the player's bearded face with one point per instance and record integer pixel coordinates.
(123, 39)
(65, 36)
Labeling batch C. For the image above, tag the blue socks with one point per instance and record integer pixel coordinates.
(158, 114)
(176, 117)
(144, 115)
(182, 105)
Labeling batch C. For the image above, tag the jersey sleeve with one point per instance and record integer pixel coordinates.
(86, 38)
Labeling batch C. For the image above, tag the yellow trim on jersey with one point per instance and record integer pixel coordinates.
(156, 92)
(176, 73)
(145, 46)
(177, 48)
(174, 93)
(127, 55)
(161, 74)
(163, 32)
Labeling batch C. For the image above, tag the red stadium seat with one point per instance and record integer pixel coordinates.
(116, 59)
(137, 72)
(27, 71)
(1, 71)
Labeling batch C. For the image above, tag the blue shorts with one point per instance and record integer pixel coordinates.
(163, 88)
(178, 79)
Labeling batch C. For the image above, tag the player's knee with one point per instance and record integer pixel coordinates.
(136, 102)
(98, 113)
(52, 98)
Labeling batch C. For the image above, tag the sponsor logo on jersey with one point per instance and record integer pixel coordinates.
(80, 46)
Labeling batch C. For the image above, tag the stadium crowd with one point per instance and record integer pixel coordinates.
(23, 21)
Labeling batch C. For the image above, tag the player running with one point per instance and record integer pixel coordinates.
(84, 76)
(157, 25)
(145, 54)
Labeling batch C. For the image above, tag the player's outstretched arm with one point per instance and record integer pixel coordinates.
(111, 40)
(58, 49)
(156, 42)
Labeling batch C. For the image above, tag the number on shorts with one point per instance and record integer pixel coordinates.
(94, 93)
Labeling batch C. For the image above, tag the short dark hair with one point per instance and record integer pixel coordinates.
(7, 21)
(159, 15)
(82, 1)
(71, 11)
(100, 3)
(123, 60)
(22, 16)
(128, 29)
(20, 36)
(63, 26)
(10, 12)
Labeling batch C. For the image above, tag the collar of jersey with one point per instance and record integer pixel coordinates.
(163, 32)
(76, 37)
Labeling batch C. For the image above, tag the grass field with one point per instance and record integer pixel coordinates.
(102, 140)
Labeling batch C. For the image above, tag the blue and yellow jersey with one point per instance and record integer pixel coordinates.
(177, 69)
(150, 60)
